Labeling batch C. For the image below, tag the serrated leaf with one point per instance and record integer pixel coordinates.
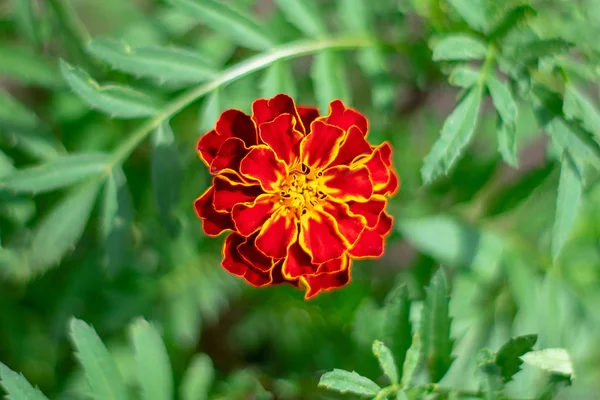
(577, 106)
(14, 115)
(455, 136)
(507, 142)
(116, 101)
(473, 12)
(570, 188)
(57, 173)
(278, 78)
(349, 382)
(329, 80)
(386, 361)
(508, 357)
(167, 173)
(152, 362)
(165, 64)
(17, 387)
(459, 47)
(503, 100)
(27, 67)
(58, 232)
(396, 327)
(211, 110)
(412, 361)
(464, 76)
(305, 15)
(552, 360)
(100, 370)
(435, 327)
(197, 379)
(117, 213)
(228, 21)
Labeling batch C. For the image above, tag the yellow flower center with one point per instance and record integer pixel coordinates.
(300, 191)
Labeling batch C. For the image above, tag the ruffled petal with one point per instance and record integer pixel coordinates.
(371, 242)
(235, 123)
(333, 266)
(321, 146)
(394, 183)
(307, 116)
(229, 156)
(252, 256)
(379, 172)
(250, 217)
(213, 222)
(354, 145)
(370, 210)
(350, 226)
(264, 110)
(320, 237)
(229, 193)
(281, 136)
(277, 233)
(343, 183)
(209, 145)
(323, 282)
(262, 164)
(345, 117)
(297, 262)
(235, 264)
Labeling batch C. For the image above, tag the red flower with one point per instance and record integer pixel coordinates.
(301, 194)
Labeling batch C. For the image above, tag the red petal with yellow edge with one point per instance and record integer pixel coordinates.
(232, 261)
(354, 145)
(281, 136)
(343, 183)
(229, 156)
(391, 187)
(370, 210)
(213, 222)
(379, 172)
(277, 233)
(209, 145)
(235, 123)
(262, 164)
(320, 237)
(333, 266)
(345, 117)
(371, 241)
(229, 193)
(249, 218)
(321, 146)
(267, 110)
(297, 262)
(307, 116)
(252, 256)
(324, 282)
(350, 226)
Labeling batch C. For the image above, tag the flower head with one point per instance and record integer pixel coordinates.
(301, 194)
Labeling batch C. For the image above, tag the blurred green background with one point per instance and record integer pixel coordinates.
(489, 223)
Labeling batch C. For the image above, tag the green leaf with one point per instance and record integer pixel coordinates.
(503, 100)
(6, 165)
(14, 115)
(459, 47)
(570, 188)
(456, 135)
(552, 360)
(512, 19)
(211, 110)
(304, 15)
(412, 361)
(464, 76)
(578, 107)
(435, 327)
(492, 382)
(116, 217)
(38, 145)
(57, 173)
(63, 226)
(28, 67)
(507, 142)
(473, 12)
(329, 80)
(153, 367)
(396, 327)
(229, 22)
(24, 18)
(117, 101)
(278, 79)
(197, 379)
(100, 369)
(348, 382)
(165, 64)
(167, 173)
(386, 361)
(17, 387)
(508, 357)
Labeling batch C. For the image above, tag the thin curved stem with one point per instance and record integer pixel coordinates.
(252, 64)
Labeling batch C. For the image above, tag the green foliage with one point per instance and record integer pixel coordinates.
(349, 382)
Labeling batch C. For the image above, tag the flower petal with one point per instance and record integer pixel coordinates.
(345, 117)
(297, 262)
(350, 226)
(378, 171)
(343, 183)
(228, 193)
(213, 222)
(252, 256)
(333, 266)
(370, 210)
(371, 242)
(354, 145)
(229, 156)
(264, 110)
(277, 233)
(307, 116)
(321, 146)
(249, 218)
(281, 136)
(234, 263)
(322, 282)
(394, 183)
(209, 145)
(320, 237)
(262, 164)
(235, 123)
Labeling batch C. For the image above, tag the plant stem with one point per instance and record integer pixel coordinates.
(229, 75)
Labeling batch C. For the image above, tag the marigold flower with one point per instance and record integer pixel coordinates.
(301, 194)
